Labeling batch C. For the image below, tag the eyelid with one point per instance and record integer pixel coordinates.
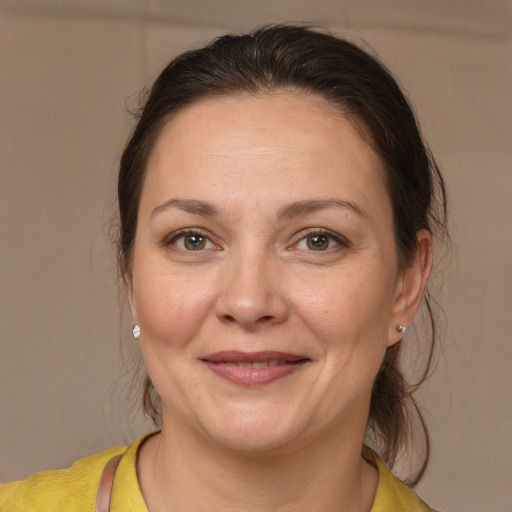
(301, 235)
(339, 239)
(180, 233)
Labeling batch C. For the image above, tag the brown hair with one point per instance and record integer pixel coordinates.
(298, 58)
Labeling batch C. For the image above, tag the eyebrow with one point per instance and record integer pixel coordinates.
(198, 207)
(194, 206)
(315, 205)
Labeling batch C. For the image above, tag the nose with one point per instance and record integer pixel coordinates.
(252, 295)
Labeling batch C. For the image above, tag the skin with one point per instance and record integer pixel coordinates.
(257, 283)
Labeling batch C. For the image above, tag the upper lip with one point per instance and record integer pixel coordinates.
(236, 356)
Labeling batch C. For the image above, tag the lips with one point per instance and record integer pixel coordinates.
(254, 368)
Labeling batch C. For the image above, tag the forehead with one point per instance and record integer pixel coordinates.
(254, 144)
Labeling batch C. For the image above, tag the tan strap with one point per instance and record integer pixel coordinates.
(106, 484)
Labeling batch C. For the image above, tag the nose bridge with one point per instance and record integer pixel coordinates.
(251, 294)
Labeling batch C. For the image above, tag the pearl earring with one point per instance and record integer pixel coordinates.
(401, 328)
(136, 332)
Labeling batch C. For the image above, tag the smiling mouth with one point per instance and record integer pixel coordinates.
(254, 368)
(258, 364)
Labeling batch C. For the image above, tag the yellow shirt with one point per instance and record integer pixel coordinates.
(74, 489)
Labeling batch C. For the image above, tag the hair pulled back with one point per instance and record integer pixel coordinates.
(361, 89)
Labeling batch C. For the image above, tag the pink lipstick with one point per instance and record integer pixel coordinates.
(254, 368)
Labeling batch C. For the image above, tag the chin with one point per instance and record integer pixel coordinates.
(253, 433)
(251, 443)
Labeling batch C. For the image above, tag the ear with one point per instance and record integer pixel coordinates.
(133, 307)
(411, 286)
(128, 279)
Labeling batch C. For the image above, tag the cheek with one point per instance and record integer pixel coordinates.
(349, 317)
(347, 306)
(346, 321)
(170, 310)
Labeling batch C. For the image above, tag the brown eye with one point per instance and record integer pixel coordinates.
(318, 242)
(193, 242)
(322, 240)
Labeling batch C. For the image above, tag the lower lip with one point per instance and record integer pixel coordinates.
(253, 376)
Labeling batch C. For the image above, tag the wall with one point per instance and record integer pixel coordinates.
(69, 69)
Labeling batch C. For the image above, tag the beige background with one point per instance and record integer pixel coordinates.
(67, 69)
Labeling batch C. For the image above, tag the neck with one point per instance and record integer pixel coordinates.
(181, 470)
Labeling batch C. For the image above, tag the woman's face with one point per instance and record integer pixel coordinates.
(264, 273)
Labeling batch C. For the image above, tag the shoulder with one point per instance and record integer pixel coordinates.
(393, 494)
(74, 488)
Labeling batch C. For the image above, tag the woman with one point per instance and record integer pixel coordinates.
(277, 206)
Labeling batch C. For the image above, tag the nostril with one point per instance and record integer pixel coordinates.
(252, 306)
(261, 320)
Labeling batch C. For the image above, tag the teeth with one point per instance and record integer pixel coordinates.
(261, 364)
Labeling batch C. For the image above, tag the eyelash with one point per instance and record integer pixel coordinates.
(183, 233)
(339, 240)
(332, 237)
